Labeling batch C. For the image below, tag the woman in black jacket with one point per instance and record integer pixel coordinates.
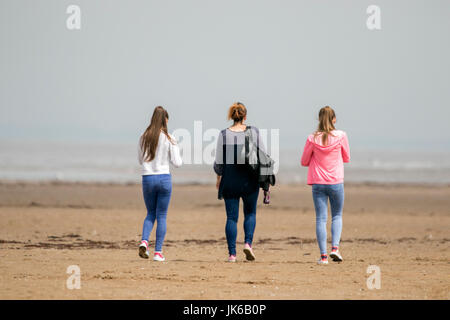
(235, 180)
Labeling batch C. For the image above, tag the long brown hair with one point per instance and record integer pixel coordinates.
(150, 138)
(237, 112)
(326, 116)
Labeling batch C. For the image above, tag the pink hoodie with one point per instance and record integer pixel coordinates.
(326, 163)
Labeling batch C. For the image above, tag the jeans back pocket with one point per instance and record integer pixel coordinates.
(166, 183)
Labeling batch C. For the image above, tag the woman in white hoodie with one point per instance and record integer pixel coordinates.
(157, 149)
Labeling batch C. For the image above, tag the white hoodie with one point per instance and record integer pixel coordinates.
(166, 153)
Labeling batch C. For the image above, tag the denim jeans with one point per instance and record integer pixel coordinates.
(232, 208)
(157, 190)
(321, 193)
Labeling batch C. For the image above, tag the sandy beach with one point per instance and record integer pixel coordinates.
(46, 227)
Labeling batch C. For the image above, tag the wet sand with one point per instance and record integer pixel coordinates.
(46, 227)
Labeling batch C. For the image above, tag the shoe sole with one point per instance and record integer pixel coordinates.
(249, 255)
(159, 260)
(335, 257)
(142, 251)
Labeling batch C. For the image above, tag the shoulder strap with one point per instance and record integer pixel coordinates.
(224, 146)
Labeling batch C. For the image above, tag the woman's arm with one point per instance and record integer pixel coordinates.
(307, 153)
(218, 163)
(140, 155)
(174, 152)
(345, 149)
(218, 181)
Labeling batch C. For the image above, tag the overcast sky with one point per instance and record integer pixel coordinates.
(282, 59)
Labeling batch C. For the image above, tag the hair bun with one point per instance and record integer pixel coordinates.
(237, 112)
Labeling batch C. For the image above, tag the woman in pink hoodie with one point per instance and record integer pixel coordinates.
(324, 154)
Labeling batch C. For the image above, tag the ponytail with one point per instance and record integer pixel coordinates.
(326, 116)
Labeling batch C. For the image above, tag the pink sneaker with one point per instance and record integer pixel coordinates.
(143, 250)
(323, 259)
(232, 258)
(335, 255)
(249, 252)
(158, 256)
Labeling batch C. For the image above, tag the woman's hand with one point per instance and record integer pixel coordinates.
(218, 182)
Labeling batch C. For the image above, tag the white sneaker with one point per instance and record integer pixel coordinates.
(336, 256)
(322, 261)
(143, 250)
(158, 256)
(249, 255)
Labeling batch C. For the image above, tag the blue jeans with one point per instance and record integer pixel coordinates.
(232, 208)
(157, 190)
(321, 193)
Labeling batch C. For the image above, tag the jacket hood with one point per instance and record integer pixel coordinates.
(334, 138)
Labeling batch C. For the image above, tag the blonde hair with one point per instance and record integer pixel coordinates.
(237, 112)
(326, 116)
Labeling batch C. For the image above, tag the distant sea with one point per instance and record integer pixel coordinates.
(94, 162)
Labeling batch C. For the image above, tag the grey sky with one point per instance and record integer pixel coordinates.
(283, 59)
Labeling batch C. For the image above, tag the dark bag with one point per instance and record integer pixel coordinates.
(259, 163)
